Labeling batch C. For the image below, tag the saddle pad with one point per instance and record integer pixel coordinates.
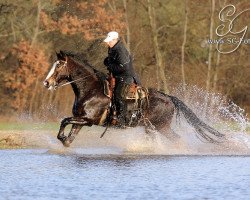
(106, 89)
(136, 92)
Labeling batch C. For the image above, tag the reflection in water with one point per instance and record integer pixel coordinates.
(115, 161)
(37, 174)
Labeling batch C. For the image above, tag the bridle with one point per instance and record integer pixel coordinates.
(68, 75)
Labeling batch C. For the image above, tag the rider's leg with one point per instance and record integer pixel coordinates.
(122, 110)
(122, 86)
(120, 104)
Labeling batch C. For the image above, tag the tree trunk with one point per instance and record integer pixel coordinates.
(159, 58)
(33, 95)
(215, 80)
(13, 30)
(183, 48)
(127, 26)
(209, 70)
(36, 31)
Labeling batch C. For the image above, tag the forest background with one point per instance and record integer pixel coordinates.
(167, 38)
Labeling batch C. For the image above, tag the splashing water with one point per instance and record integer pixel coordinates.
(226, 117)
(217, 112)
(235, 114)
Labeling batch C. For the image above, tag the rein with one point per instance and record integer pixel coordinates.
(83, 78)
(74, 81)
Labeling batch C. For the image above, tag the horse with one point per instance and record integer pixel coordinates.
(91, 104)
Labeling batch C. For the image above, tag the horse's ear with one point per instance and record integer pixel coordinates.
(58, 55)
(63, 55)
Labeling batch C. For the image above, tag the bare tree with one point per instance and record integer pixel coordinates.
(33, 41)
(183, 47)
(222, 4)
(215, 77)
(158, 54)
(37, 27)
(127, 27)
(209, 70)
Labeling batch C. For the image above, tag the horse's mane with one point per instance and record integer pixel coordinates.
(80, 59)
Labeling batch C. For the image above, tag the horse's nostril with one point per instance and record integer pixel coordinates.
(46, 83)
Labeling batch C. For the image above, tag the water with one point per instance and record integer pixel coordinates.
(42, 174)
(128, 164)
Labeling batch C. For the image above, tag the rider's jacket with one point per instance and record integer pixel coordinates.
(119, 63)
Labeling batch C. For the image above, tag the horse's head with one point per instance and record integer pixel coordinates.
(58, 73)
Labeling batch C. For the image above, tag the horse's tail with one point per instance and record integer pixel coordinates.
(201, 128)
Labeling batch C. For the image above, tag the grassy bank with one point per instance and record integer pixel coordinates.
(13, 134)
(6, 126)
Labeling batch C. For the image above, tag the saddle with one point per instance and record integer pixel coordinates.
(137, 97)
(130, 92)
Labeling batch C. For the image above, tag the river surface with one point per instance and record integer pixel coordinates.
(44, 174)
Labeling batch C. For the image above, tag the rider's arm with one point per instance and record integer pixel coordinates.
(121, 62)
(123, 57)
(116, 67)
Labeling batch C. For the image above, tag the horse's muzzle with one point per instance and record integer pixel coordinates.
(46, 83)
(50, 86)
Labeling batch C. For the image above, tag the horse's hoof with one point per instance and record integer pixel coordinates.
(61, 138)
(66, 143)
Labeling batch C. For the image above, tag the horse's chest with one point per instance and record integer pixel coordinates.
(77, 107)
(85, 107)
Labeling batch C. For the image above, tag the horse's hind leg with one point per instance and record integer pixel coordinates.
(149, 129)
(170, 134)
(73, 132)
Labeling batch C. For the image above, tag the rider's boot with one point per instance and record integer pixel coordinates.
(121, 114)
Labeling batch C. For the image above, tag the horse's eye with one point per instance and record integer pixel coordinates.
(59, 64)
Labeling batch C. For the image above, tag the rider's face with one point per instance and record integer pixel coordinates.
(112, 43)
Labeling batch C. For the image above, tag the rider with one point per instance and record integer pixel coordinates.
(119, 63)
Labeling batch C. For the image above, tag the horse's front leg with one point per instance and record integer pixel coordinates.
(77, 124)
(64, 123)
(73, 132)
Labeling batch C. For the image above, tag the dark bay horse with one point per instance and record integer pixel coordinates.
(90, 102)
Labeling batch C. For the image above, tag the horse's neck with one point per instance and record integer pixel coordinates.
(84, 79)
(82, 88)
